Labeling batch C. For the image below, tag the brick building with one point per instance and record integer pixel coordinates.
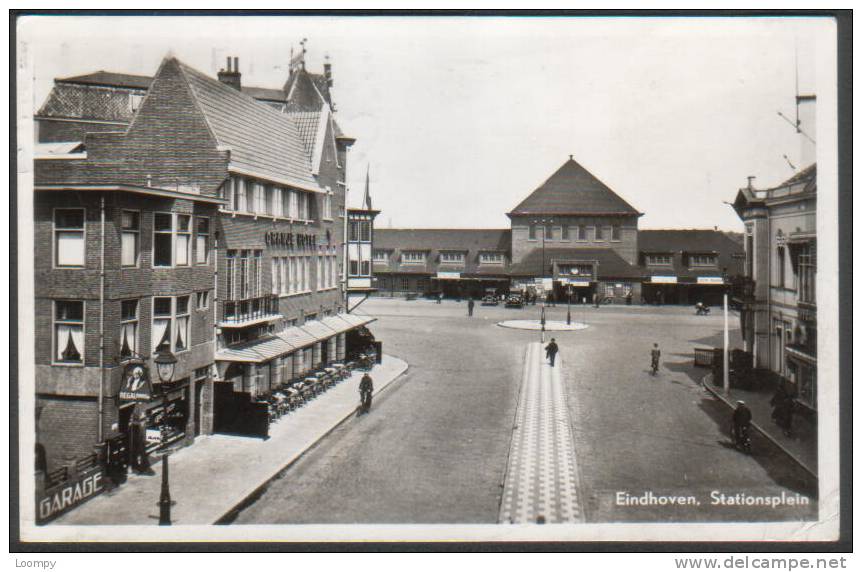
(188, 215)
(572, 236)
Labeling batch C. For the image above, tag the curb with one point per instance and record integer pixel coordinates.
(794, 458)
(250, 498)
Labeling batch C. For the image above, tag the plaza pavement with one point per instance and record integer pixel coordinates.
(542, 478)
(218, 473)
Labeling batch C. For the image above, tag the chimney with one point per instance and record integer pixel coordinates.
(327, 72)
(232, 76)
(750, 185)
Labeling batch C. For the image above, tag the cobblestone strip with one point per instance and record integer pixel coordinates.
(541, 479)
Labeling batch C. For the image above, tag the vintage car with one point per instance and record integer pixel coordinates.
(490, 300)
(515, 301)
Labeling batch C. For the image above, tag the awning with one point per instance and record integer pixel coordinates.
(337, 324)
(296, 337)
(356, 320)
(316, 329)
(258, 351)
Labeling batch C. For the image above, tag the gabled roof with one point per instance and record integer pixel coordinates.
(806, 175)
(572, 190)
(262, 141)
(692, 241)
(610, 264)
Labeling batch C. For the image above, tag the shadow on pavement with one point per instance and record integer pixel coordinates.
(780, 468)
(685, 367)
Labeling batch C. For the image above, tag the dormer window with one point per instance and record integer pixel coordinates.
(413, 257)
(703, 260)
(381, 256)
(659, 259)
(451, 258)
(135, 100)
(491, 258)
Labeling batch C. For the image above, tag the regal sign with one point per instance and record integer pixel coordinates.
(136, 383)
(290, 239)
(57, 500)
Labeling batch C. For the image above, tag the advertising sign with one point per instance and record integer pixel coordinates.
(663, 279)
(136, 383)
(59, 499)
(710, 280)
(448, 276)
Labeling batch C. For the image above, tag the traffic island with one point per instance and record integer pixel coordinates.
(536, 325)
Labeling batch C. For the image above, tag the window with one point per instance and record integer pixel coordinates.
(293, 205)
(276, 275)
(702, 260)
(413, 257)
(203, 299)
(240, 199)
(256, 274)
(128, 328)
(532, 232)
(405, 283)
(491, 258)
(230, 283)
(258, 202)
(269, 200)
(69, 331)
(381, 256)
(130, 241)
(69, 237)
(808, 273)
(171, 323)
(781, 268)
(582, 233)
(135, 100)
(319, 272)
(203, 242)
(354, 268)
(277, 201)
(615, 232)
(599, 233)
(659, 260)
(364, 231)
(284, 269)
(549, 232)
(162, 239)
(452, 257)
(184, 240)
(365, 269)
(327, 204)
(565, 233)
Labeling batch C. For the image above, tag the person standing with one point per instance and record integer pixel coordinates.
(366, 388)
(551, 351)
(741, 421)
(655, 355)
(470, 305)
(439, 297)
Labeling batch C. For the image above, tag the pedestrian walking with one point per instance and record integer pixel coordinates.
(551, 351)
(439, 297)
(655, 355)
(470, 305)
(741, 423)
(366, 388)
(782, 413)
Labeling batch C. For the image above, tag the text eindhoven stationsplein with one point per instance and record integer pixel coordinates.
(187, 218)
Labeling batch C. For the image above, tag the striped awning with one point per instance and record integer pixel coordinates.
(318, 330)
(296, 337)
(258, 351)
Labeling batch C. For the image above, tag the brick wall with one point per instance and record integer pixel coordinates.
(67, 427)
(626, 247)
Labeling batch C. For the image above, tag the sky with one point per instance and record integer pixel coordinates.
(459, 119)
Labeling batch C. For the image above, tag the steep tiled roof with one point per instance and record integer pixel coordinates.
(807, 175)
(71, 101)
(266, 93)
(261, 140)
(610, 264)
(442, 239)
(573, 190)
(307, 122)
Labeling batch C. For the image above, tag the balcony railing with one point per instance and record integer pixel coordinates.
(241, 313)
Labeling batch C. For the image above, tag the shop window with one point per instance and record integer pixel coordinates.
(130, 240)
(202, 248)
(69, 237)
(69, 331)
(163, 239)
(128, 328)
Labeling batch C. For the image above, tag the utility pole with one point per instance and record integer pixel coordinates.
(726, 357)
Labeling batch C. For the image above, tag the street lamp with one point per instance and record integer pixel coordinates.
(544, 223)
(165, 364)
(568, 304)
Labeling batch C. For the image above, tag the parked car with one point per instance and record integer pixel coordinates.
(490, 300)
(515, 301)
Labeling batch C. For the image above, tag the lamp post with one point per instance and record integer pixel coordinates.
(544, 223)
(568, 304)
(165, 364)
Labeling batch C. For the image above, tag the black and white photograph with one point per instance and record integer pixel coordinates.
(317, 278)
